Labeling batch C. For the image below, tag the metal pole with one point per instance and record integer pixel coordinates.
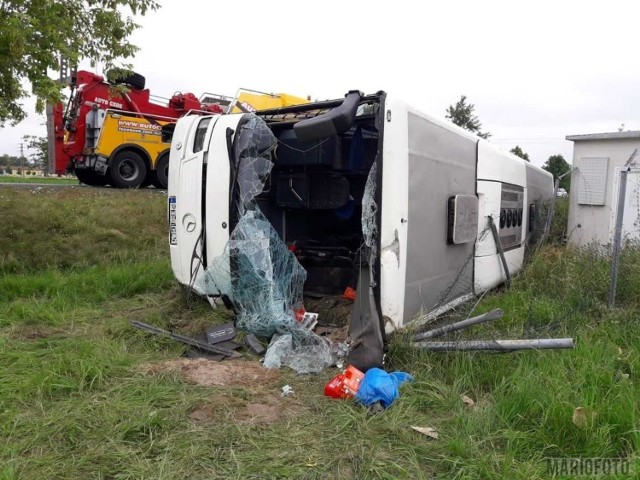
(617, 238)
(496, 238)
(503, 345)
(51, 141)
(22, 160)
(436, 332)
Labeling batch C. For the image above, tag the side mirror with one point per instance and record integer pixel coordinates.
(335, 121)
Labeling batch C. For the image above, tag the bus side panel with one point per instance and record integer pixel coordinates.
(442, 163)
(539, 194)
(498, 172)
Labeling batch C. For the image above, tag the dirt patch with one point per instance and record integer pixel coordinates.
(259, 413)
(259, 410)
(33, 332)
(226, 373)
(253, 394)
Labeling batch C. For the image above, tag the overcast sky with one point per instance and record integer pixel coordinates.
(536, 71)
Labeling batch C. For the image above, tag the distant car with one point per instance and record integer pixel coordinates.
(562, 193)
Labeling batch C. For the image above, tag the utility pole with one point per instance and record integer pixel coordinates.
(22, 160)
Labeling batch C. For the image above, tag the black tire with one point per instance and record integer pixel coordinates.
(127, 170)
(90, 177)
(147, 180)
(161, 173)
(135, 80)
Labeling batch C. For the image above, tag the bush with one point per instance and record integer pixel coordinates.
(558, 230)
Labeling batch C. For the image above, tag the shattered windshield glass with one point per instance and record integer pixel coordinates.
(257, 271)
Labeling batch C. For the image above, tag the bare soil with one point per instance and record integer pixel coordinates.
(208, 373)
(262, 404)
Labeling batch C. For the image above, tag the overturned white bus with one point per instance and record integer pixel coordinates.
(272, 208)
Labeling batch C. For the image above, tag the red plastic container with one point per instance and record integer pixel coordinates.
(349, 294)
(344, 385)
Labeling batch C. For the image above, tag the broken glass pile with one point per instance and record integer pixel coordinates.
(257, 272)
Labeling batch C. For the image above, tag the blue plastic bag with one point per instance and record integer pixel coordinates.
(380, 386)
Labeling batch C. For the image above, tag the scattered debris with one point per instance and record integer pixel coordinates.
(467, 401)
(310, 355)
(498, 345)
(492, 315)
(378, 386)
(220, 333)
(287, 390)
(309, 320)
(428, 431)
(349, 294)
(184, 339)
(501, 345)
(254, 344)
(344, 385)
(279, 348)
(579, 417)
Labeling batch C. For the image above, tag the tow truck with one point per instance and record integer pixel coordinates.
(109, 135)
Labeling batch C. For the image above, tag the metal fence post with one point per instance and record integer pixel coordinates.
(617, 238)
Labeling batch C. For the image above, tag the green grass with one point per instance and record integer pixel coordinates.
(77, 400)
(79, 228)
(35, 179)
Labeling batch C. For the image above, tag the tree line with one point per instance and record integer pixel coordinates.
(37, 157)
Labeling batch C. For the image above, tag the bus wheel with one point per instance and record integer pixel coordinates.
(161, 173)
(127, 170)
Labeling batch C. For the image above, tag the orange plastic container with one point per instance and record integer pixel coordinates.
(349, 294)
(344, 385)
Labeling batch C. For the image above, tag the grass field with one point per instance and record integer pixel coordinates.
(41, 180)
(82, 395)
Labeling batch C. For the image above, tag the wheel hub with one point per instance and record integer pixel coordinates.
(128, 170)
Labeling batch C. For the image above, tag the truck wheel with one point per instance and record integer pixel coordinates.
(90, 177)
(127, 170)
(147, 180)
(161, 173)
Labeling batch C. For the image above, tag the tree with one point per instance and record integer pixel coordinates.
(36, 34)
(518, 152)
(462, 115)
(39, 147)
(9, 160)
(557, 166)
